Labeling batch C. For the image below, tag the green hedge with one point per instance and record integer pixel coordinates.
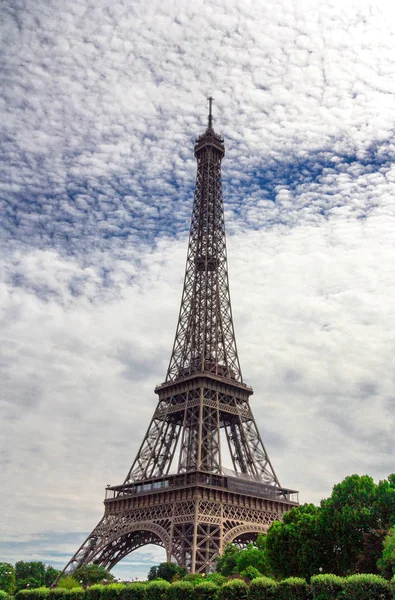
(207, 590)
(93, 592)
(263, 588)
(293, 588)
(366, 587)
(327, 586)
(235, 589)
(112, 591)
(181, 590)
(134, 591)
(157, 589)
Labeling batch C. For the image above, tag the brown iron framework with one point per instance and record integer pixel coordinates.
(178, 494)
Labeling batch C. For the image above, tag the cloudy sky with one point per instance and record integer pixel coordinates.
(101, 104)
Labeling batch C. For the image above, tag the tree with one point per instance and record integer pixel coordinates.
(50, 575)
(227, 562)
(254, 555)
(294, 547)
(29, 574)
(92, 573)
(7, 578)
(386, 563)
(168, 571)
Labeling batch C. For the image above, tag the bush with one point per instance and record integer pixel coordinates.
(251, 573)
(94, 592)
(74, 594)
(196, 578)
(157, 589)
(293, 588)
(112, 591)
(263, 588)
(3, 595)
(57, 594)
(67, 582)
(216, 578)
(40, 593)
(133, 591)
(181, 590)
(205, 591)
(326, 586)
(235, 589)
(366, 587)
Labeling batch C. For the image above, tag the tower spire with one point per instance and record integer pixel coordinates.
(210, 116)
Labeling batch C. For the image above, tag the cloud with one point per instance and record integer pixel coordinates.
(101, 106)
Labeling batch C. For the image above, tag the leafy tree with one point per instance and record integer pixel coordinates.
(29, 574)
(386, 564)
(168, 571)
(91, 574)
(68, 583)
(254, 555)
(227, 562)
(294, 545)
(50, 575)
(7, 578)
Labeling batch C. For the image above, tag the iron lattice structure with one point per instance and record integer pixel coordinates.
(178, 494)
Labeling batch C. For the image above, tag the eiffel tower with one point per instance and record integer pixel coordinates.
(178, 494)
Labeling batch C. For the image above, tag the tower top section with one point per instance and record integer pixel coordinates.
(209, 139)
(205, 341)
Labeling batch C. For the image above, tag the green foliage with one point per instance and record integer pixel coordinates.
(57, 594)
(112, 591)
(366, 587)
(386, 563)
(7, 578)
(94, 592)
(74, 594)
(263, 588)
(50, 575)
(226, 563)
(91, 574)
(40, 593)
(216, 578)
(157, 590)
(194, 578)
(168, 571)
(235, 589)
(251, 573)
(205, 591)
(67, 582)
(181, 590)
(293, 588)
(29, 574)
(326, 586)
(3, 595)
(133, 591)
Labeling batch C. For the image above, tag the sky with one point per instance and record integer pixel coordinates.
(101, 103)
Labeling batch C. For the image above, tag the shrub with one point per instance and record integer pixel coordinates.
(196, 578)
(216, 578)
(133, 591)
(157, 589)
(94, 592)
(36, 594)
(112, 591)
(74, 594)
(67, 582)
(263, 588)
(366, 587)
(293, 588)
(326, 586)
(3, 595)
(181, 590)
(57, 594)
(235, 589)
(205, 591)
(251, 573)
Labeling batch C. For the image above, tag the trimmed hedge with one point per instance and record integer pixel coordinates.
(134, 591)
(112, 591)
(263, 588)
(366, 587)
(157, 589)
(235, 589)
(207, 590)
(327, 586)
(293, 588)
(93, 592)
(181, 590)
